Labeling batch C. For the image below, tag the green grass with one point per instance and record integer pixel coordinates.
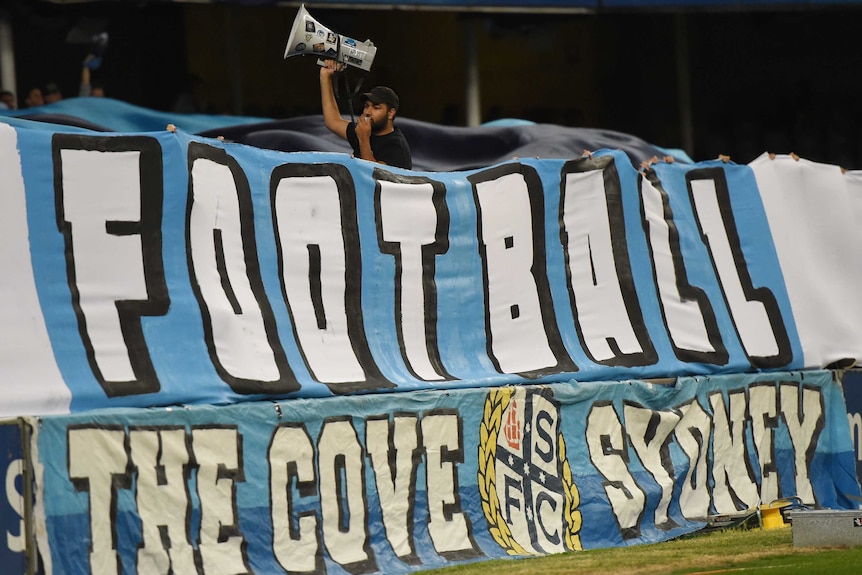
(740, 550)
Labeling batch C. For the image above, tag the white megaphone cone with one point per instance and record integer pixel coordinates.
(308, 36)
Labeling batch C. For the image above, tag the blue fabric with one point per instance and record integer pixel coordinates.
(117, 116)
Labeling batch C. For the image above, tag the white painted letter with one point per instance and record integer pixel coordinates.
(291, 457)
(15, 543)
(609, 454)
(653, 450)
(342, 495)
(448, 526)
(731, 466)
(222, 545)
(409, 225)
(693, 433)
(395, 478)
(593, 269)
(687, 311)
(96, 458)
(517, 332)
(763, 410)
(161, 459)
(238, 323)
(109, 200)
(804, 421)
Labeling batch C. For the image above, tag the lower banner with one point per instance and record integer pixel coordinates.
(394, 483)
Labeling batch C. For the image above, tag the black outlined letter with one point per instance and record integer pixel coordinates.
(593, 235)
(520, 323)
(238, 322)
(413, 226)
(108, 193)
(686, 310)
(320, 268)
(753, 310)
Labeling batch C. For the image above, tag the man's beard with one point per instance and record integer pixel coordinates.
(377, 125)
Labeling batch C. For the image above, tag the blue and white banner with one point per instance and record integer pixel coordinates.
(402, 482)
(159, 268)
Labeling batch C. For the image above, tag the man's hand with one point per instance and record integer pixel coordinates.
(330, 67)
(363, 128)
(363, 134)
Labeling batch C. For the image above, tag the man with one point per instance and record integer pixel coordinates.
(34, 98)
(373, 137)
(8, 99)
(88, 86)
(52, 93)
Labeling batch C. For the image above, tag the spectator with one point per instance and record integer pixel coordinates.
(7, 97)
(34, 98)
(88, 86)
(373, 137)
(91, 63)
(52, 93)
(97, 89)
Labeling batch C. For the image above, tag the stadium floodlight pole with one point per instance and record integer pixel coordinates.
(683, 80)
(472, 94)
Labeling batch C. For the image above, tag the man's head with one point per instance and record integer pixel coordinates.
(97, 90)
(380, 104)
(34, 98)
(382, 95)
(52, 93)
(8, 98)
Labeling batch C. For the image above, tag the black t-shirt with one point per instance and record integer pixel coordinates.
(391, 149)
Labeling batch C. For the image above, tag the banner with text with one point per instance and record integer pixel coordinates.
(397, 483)
(161, 268)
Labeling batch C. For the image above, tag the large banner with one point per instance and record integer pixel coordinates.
(160, 268)
(398, 483)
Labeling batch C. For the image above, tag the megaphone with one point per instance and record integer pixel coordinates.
(308, 36)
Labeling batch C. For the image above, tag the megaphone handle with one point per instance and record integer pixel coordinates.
(338, 97)
(347, 93)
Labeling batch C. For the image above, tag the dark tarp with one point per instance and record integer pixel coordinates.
(439, 148)
(436, 148)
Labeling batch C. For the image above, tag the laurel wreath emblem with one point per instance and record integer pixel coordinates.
(496, 404)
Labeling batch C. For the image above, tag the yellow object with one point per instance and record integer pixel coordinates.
(771, 516)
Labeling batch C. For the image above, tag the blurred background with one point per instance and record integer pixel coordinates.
(736, 78)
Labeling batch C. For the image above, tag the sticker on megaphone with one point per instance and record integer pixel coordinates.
(308, 36)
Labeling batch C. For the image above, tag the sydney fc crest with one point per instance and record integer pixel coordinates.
(525, 482)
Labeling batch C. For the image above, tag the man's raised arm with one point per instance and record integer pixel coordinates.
(331, 115)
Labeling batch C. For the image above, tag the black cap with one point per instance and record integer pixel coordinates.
(52, 88)
(382, 95)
